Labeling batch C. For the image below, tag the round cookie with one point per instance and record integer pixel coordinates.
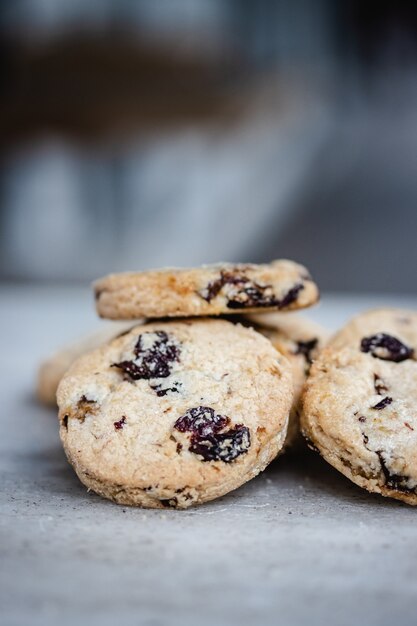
(360, 403)
(300, 340)
(209, 290)
(53, 368)
(175, 413)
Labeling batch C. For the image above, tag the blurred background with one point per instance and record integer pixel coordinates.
(143, 133)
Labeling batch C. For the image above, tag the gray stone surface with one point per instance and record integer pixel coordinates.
(298, 545)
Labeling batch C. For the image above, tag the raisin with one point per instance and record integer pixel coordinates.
(386, 347)
(224, 447)
(379, 384)
(226, 278)
(382, 403)
(85, 400)
(250, 294)
(305, 348)
(201, 421)
(162, 391)
(261, 296)
(155, 353)
(119, 425)
(207, 441)
(246, 293)
(291, 296)
(393, 481)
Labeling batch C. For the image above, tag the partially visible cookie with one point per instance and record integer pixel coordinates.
(52, 369)
(360, 403)
(208, 290)
(300, 340)
(173, 414)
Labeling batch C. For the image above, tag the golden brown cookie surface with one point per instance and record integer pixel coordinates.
(300, 340)
(207, 290)
(360, 402)
(52, 369)
(175, 413)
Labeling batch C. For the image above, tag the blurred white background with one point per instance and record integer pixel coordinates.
(142, 134)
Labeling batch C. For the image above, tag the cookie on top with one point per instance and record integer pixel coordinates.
(208, 290)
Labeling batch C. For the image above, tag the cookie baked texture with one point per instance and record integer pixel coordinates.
(300, 340)
(53, 368)
(360, 403)
(208, 290)
(175, 413)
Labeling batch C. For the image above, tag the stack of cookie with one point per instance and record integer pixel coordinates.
(188, 405)
(205, 390)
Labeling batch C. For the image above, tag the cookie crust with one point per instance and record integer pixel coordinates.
(209, 290)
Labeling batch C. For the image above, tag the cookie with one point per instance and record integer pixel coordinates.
(53, 368)
(175, 413)
(208, 290)
(360, 403)
(299, 340)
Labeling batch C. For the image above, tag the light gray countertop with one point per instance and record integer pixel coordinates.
(298, 545)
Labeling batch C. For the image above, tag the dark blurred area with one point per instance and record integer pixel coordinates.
(145, 133)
